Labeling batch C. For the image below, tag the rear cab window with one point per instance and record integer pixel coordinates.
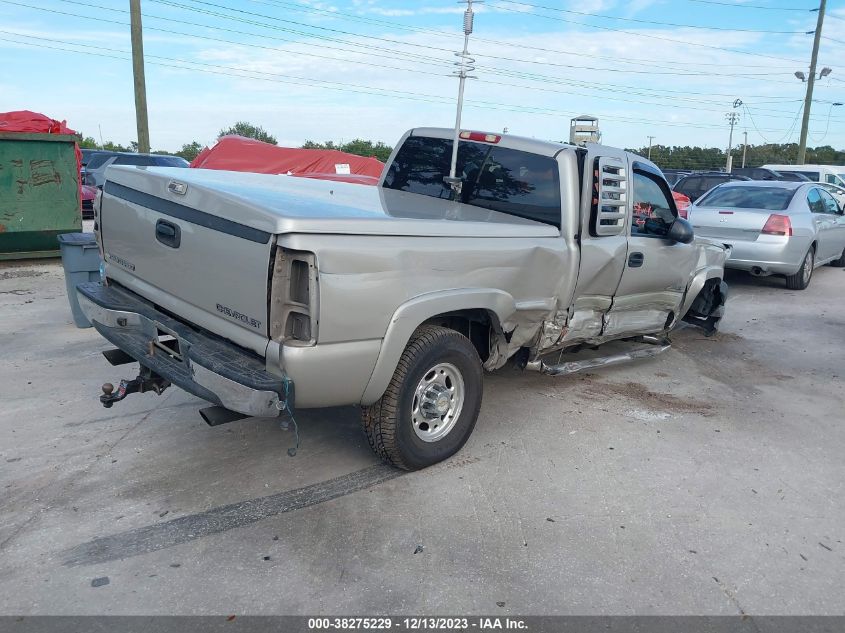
(501, 179)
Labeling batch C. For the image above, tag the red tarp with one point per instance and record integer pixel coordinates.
(26, 121)
(236, 153)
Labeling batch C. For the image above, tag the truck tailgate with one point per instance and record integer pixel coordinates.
(208, 270)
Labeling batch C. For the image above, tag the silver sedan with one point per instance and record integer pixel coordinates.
(773, 227)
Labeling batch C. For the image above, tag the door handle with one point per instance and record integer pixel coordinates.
(635, 260)
(168, 233)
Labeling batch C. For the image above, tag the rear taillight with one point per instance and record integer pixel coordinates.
(777, 225)
(294, 298)
(683, 209)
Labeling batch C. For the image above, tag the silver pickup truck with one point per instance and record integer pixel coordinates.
(262, 294)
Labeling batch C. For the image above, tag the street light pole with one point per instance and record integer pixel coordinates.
(138, 73)
(811, 80)
(650, 139)
(744, 148)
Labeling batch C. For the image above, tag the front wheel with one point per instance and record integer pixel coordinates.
(432, 402)
(801, 279)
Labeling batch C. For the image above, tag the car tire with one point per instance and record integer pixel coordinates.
(801, 279)
(432, 402)
(840, 262)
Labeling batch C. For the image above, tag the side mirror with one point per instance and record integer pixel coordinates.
(681, 231)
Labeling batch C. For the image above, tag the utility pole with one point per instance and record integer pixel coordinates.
(744, 148)
(464, 66)
(138, 73)
(733, 118)
(650, 139)
(811, 80)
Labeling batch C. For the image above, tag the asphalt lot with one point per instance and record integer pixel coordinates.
(706, 481)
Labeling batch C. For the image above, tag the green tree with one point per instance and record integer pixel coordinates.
(190, 151)
(88, 142)
(698, 158)
(358, 146)
(242, 128)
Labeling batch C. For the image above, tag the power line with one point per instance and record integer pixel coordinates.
(217, 69)
(748, 6)
(501, 72)
(522, 46)
(650, 36)
(649, 22)
(413, 58)
(429, 47)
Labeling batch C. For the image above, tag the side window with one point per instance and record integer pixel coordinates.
(653, 213)
(830, 204)
(830, 178)
(814, 200)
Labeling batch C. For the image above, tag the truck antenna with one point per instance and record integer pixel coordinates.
(465, 66)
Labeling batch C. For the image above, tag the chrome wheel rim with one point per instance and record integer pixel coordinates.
(808, 267)
(437, 404)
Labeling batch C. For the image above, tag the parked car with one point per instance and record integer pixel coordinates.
(673, 175)
(89, 194)
(88, 154)
(833, 174)
(696, 185)
(774, 227)
(764, 173)
(793, 176)
(95, 171)
(263, 294)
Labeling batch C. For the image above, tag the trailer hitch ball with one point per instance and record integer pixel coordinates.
(147, 380)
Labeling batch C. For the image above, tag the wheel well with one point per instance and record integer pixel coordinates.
(473, 323)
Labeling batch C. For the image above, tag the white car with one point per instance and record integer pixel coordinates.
(833, 174)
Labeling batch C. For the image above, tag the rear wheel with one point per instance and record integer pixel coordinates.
(801, 279)
(432, 402)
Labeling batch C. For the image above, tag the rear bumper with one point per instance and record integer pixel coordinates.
(207, 366)
(768, 254)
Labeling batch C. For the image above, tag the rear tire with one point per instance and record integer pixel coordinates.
(839, 263)
(432, 402)
(801, 279)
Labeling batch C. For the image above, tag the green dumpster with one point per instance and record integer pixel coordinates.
(39, 193)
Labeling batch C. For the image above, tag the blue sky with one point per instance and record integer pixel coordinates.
(307, 69)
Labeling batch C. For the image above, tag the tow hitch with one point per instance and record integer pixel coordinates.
(147, 380)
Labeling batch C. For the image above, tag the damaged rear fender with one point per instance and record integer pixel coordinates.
(413, 313)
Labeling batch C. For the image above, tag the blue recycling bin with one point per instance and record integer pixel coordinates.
(81, 261)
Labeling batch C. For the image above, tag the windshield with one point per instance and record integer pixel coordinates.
(97, 160)
(497, 178)
(171, 161)
(768, 198)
